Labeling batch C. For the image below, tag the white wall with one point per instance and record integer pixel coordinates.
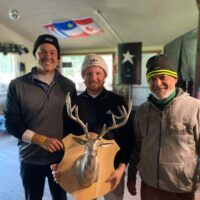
(9, 36)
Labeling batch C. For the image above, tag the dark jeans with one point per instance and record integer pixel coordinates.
(33, 178)
(148, 192)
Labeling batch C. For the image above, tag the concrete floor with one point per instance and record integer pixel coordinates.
(10, 181)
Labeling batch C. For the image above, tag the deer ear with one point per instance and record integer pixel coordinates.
(79, 141)
(105, 144)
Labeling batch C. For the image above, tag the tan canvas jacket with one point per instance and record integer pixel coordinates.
(167, 149)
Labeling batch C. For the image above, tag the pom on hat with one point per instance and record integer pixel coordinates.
(46, 38)
(94, 60)
(160, 64)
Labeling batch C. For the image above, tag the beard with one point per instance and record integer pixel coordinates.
(161, 95)
(95, 86)
(157, 97)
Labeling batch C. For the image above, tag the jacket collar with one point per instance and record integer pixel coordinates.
(100, 97)
(34, 72)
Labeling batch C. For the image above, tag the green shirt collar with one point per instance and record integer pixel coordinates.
(162, 103)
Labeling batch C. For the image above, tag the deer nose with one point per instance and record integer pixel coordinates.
(92, 155)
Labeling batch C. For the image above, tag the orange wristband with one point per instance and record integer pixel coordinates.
(42, 139)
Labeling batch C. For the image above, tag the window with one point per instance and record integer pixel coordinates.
(71, 68)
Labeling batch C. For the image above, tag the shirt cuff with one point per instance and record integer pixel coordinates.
(27, 136)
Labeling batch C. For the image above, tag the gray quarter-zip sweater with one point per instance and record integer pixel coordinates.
(31, 106)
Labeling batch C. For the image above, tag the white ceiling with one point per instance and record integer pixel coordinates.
(152, 22)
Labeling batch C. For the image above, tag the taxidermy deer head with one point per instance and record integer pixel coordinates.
(87, 166)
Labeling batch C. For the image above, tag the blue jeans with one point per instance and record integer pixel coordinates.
(33, 179)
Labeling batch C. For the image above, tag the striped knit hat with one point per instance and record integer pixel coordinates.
(160, 64)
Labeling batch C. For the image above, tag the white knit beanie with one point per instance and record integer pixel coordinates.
(94, 60)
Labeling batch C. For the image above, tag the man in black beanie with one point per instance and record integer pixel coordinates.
(167, 128)
(35, 113)
(46, 38)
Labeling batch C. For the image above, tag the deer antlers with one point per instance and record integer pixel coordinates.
(123, 115)
(76, 118)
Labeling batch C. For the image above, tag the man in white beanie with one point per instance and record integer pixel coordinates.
(93, 104)
(94, 60)
(94, 71)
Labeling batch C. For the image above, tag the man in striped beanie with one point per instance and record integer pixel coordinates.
(160, 64)
(167, 129)
(162, 77)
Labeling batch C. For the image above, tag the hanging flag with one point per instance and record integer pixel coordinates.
(88, 25)
(129, 63)
(75, 28)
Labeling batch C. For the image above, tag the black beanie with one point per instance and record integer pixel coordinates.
(160, 64)
(46, 38)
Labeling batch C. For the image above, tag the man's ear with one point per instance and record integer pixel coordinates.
(176, 80)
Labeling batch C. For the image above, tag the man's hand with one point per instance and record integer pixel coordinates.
(52, 144)
(131, 185)
(47, 143)
(56, 173)
(116, 176)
